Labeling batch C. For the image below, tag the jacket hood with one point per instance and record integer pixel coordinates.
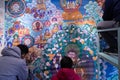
(13, 51)
(66, 74)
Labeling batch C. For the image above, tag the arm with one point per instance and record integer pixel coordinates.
(77, 77)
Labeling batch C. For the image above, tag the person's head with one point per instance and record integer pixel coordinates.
(72, 54)
(24, 50)
(66, 62)
(101, 3)
(37, 24)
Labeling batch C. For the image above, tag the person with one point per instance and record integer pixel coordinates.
(24, 50)
(73, 55)
(100, 2)
(111, 13)
(111, 10)
(111, 17)
(12, 63)
(66, 72)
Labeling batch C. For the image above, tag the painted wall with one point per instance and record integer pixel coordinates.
(51, 31)
(108, 71)
(2, 10)
(50, 34)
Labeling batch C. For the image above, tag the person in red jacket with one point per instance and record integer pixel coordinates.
(66, 72)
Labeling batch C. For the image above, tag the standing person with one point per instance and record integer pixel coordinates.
(12, 66)
(111, 13)
(111, 17)
(66, 72)
(111, 10)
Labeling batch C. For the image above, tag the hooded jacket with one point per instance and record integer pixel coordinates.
(66, 74)
(12, 67)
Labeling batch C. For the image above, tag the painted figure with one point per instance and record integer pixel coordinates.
(47, 34)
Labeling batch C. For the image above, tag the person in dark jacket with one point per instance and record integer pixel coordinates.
(111, 13)
(111, 17)
(111, 10)
(66, 72)
(12, 66)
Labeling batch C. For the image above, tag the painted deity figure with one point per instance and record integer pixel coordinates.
(55, 28)
(15, 7)
(40, 1)
(37, 26)
(47, 34)
(73, 55)
(16, 40)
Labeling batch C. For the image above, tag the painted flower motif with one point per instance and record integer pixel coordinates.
(47, 63)
(56, 45)
(78, 38)
(82, 41)
(53, 49)
(49, 50)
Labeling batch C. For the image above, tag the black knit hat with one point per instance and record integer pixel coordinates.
(66, 62)
(23, 48)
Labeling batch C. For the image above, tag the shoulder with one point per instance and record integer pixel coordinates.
(77, 77)
(54, 77)
(108, 2)
(21, 62)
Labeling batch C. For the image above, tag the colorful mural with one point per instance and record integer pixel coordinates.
(2, 10)
(69, 7)
(52, 29)
(51, 32)
(15, 8)
(108, 71)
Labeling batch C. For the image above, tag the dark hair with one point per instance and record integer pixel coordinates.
(23, 48)
(66, 62)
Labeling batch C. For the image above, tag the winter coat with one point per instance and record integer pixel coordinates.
(111, 10)
(66, 74)
(12, 67)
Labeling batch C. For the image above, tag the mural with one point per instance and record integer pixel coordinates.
(70, 6)
(52, 31)
(108, 71)
(15, 8)
(2, 6)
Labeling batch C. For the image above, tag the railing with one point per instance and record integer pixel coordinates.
(113, 58)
